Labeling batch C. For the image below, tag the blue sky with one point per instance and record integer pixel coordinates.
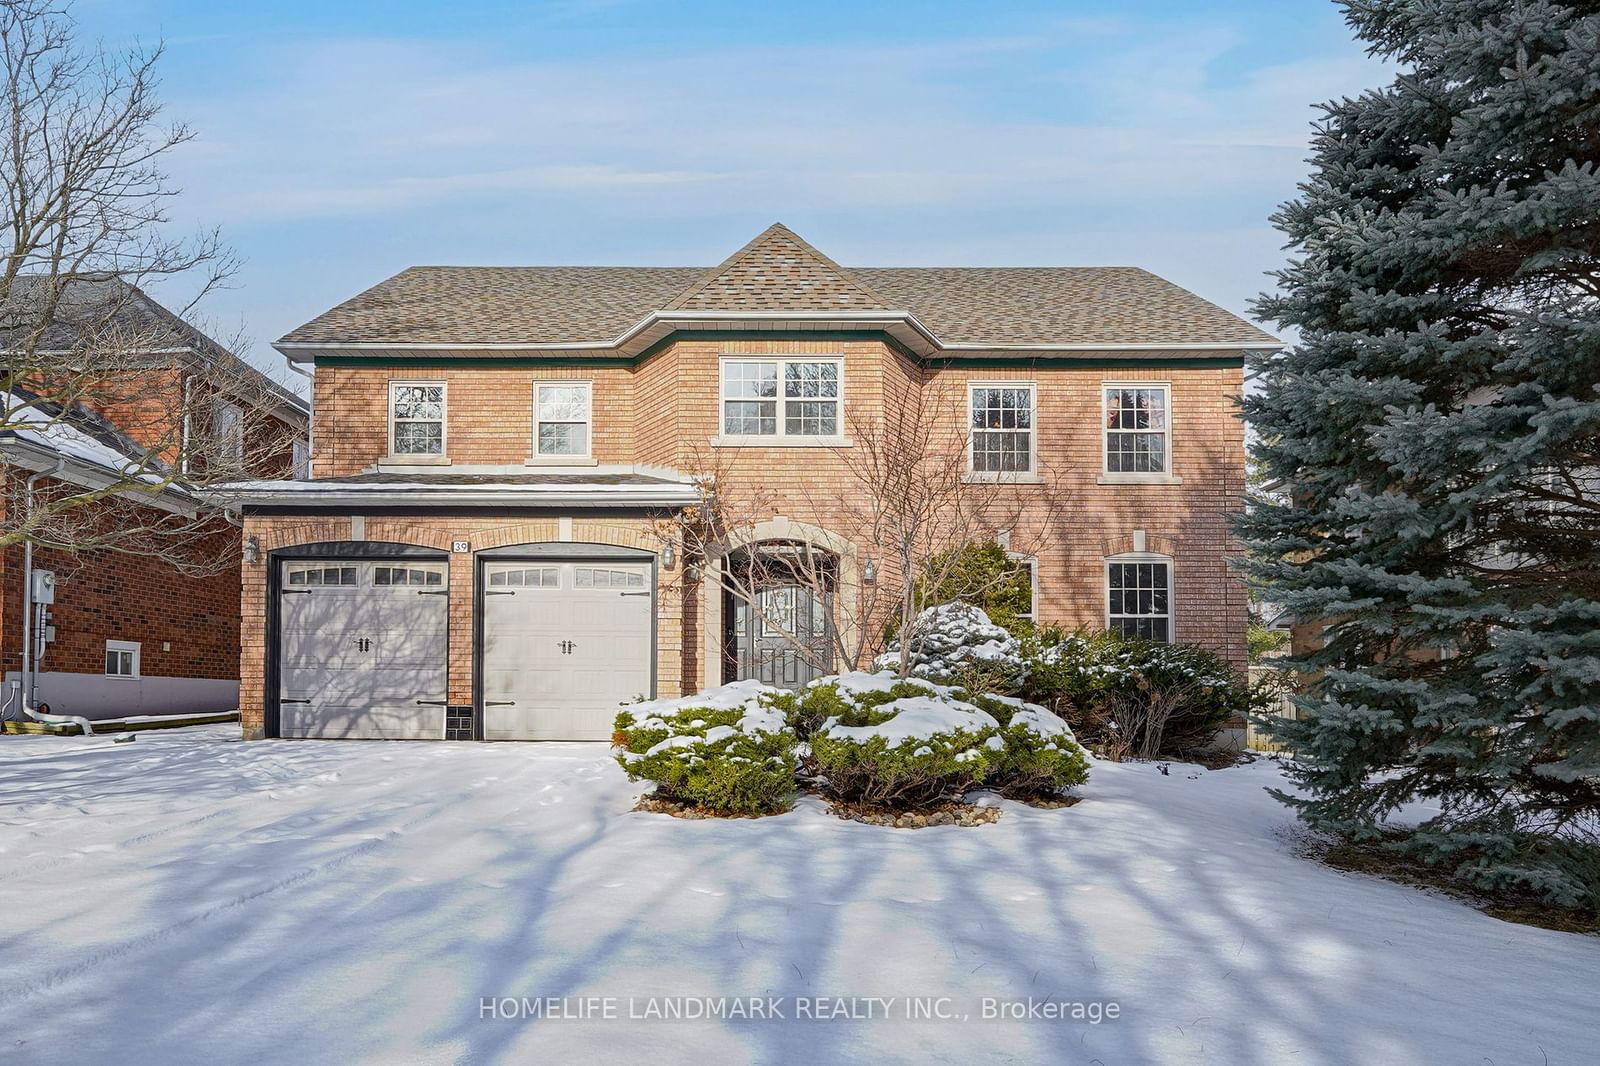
(340, 142)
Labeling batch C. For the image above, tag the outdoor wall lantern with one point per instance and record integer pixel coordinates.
(252, 550)
(669, 556)
(869, 572)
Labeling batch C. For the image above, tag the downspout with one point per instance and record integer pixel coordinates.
(311, 411)
(28, 665)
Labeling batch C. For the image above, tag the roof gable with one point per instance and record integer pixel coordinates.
(778, 271)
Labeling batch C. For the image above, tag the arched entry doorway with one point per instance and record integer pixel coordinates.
(778, 612)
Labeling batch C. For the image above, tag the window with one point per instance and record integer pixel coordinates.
(1002, 428)
(301, 460)
(780, 398)
(535, 577)
(1029, 566)
(122, 658)
(561, 415)
(1139, 595)
(593, 577)
(402, 575)
(416, 418)
(322, 575)
(781, 612)
(230, 431)
(1137, 429)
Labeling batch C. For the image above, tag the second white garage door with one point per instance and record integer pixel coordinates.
(565, 644)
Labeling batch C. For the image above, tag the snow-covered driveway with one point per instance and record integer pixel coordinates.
(193, 898)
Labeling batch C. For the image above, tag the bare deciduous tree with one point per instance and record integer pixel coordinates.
(94, 370)
(910, 496)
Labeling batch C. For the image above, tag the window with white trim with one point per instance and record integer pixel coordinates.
(1001, 427)
(1139, 596)
(416, 417)
(1029, 566)
(1138, 429)
(300, 461)
(562, 415)
(781, 397)
(122, 658)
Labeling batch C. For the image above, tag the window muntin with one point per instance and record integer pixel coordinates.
(545, 577)
(806, 404)
(122, 658)
(1002, 428)
(322, 575)
(1139, 598)
(416, 417)
(1137, 429)
(562, 418)
(595, 577)
(406, 575)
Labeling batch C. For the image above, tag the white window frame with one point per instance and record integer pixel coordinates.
(1135, 477)
(538, 457)
(229, 418)
(781, 438)
(444, 421)
(300, 459)
(1172, 587)
(130, 646)
(1032, 472)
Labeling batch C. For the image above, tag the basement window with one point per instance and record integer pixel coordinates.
(122, 658)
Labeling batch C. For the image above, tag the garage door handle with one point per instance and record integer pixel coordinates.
(633, 594)
(296, 592)
(499, 703)
(431, 703)
(432, 592)
(496, 592)
(294, 701)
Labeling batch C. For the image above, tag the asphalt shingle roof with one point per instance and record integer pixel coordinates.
(777, 271)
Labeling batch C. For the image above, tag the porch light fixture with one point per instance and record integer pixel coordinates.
(869, 572)
(669, 556)
(252, 550)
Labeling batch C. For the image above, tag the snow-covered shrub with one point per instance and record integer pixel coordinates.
(895, 743)
(727, 749)
(1134, 697)
(1041, 755)
(957, 642)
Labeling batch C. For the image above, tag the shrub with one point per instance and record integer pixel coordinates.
(899, 743)
(1131, 697)
(728, 749)
(985, 576)
(1041, 756)
(958, 642)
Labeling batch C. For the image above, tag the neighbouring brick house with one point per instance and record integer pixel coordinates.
(475, 553)
(127, 633)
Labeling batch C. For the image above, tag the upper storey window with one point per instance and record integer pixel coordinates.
(1002, 428)
(562, 413)
(416, 418)
(1138, 430)
(783, 398)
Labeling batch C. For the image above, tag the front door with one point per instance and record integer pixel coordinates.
(565, 644)
(762, 645)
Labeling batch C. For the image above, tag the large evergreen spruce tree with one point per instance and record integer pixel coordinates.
(1435, 431)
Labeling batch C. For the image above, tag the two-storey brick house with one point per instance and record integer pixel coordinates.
(477, 551)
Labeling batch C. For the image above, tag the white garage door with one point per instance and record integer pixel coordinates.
(564, 645)
(362, 650)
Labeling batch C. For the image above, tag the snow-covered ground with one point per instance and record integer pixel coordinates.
(193, 898)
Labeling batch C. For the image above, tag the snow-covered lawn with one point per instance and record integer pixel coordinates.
(190, 897)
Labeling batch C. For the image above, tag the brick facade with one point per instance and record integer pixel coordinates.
(663, 412)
